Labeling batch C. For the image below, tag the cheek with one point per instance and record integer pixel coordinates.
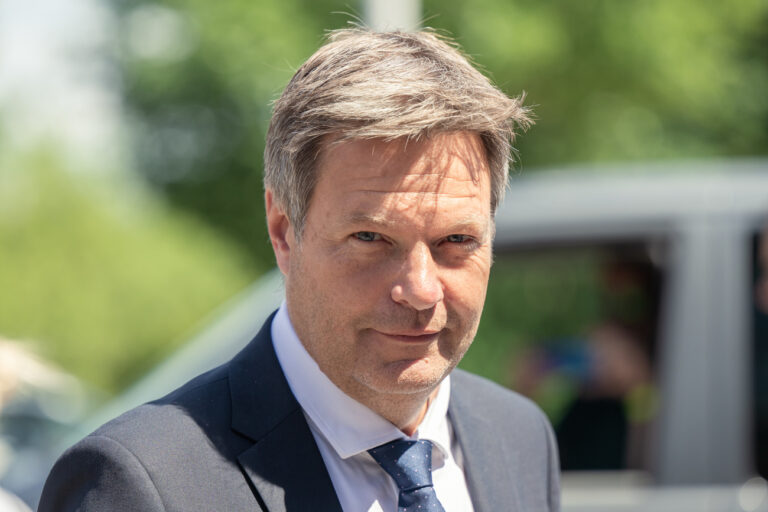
(353, 280)
(466, 287)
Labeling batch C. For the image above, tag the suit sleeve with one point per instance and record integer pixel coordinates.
(99, 474)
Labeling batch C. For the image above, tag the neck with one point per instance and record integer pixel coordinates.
(405, 411)
(410, 428)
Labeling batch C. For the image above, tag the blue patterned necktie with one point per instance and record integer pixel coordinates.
(409, 463)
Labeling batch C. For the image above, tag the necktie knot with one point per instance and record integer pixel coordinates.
(409, 463)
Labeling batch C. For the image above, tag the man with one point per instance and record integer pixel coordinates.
(386, 156)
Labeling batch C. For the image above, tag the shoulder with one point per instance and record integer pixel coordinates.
(96, 474)
(178, 452)
(135, 458)
(478, 404)
(162, 418)
(501, 429)
(202, 403)
(178, 431)
(491, 400)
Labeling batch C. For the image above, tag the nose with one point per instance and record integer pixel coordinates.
(418, 284)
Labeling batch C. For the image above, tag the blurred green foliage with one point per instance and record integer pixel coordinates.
(630, 80)
(100, 276)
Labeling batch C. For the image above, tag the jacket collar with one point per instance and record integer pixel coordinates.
(284, 465)
(488, 463)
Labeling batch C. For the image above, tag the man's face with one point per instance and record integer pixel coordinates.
(386, 286)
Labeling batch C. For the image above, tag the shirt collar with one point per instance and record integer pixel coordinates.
(348, 426)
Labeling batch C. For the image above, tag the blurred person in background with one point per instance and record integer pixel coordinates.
(610, 394)
(597, 430)
(760, 328)
(386, 157)
(761, 288)
(605, 374)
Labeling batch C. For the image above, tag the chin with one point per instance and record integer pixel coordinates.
(406, 378)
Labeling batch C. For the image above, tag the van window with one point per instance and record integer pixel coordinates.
(575, 329)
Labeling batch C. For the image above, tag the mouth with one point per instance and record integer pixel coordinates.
(412, 336)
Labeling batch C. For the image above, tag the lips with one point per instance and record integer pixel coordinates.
(410, 336)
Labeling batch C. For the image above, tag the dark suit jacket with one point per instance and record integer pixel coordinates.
(236, 439)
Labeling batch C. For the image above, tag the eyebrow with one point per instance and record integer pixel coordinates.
(370, 220)
(469, 223)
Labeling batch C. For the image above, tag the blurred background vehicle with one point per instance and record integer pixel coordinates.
(653, 366)
(625, 297)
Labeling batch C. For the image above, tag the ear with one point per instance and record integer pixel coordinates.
(280, 232)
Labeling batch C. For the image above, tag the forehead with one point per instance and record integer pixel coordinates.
(450, 166)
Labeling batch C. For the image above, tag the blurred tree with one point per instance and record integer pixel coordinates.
(101, 276)
(199, 80)
(633, 80)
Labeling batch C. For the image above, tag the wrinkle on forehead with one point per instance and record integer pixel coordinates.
(431, 154)
(382, 207)
(418, 183)
(421, 155)
(377, 178)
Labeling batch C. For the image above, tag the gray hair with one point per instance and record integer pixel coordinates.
(389, 85)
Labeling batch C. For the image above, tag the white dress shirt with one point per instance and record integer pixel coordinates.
(345, 430)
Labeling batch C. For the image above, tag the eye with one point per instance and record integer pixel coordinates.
(466, 243)
(367, 236)
(458, 239)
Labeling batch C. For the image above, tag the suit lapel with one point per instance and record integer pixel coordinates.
(284, 465)
(489, 466)
(287, 470)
